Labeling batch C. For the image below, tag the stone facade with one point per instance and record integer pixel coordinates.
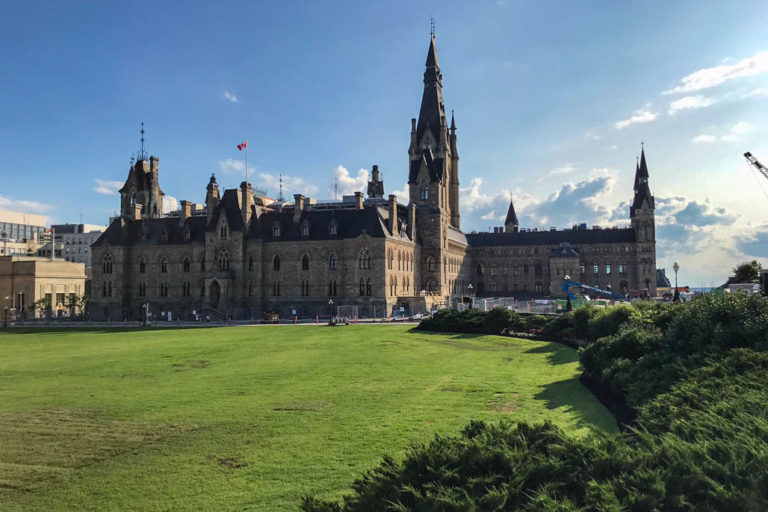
(25, 280)
(244, 255)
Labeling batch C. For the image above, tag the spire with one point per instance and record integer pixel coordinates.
(642, 190)
(453, 123)
(142, 154)
(511, 224)
(432, 110)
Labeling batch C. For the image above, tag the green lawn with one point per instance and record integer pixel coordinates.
(252, 418)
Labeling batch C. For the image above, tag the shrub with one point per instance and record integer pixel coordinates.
(607, 321)
(581, 317)
(499, 319)
(533, 323)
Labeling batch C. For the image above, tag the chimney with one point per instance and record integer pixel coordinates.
(246, 200)
(136, 212)
(393, 224)
(186, 211)
(358, 200)
(412, 221)
(298, 206)
(153, 165)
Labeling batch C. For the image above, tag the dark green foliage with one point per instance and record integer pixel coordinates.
(499, 320)
(560, 326)
(534, 323)
(608, 320)
(747, 272)
(581, 317)
(448, 320)
(697, 375)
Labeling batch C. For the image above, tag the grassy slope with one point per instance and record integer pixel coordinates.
(252, 418)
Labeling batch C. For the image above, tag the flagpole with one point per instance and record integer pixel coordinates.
(246, 163)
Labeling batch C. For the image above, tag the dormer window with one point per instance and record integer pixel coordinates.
(424, 192)
(223, 232)
(305, 229)
(332, 228)
(276, 230)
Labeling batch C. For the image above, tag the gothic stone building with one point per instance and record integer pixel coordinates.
(243, 254)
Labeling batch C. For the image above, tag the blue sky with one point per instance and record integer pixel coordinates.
(552, 100)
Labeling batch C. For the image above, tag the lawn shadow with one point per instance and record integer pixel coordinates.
(578, 400)
(558, 353)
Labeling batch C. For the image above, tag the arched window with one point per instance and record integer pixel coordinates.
(107, 264)
(187, 264)
(250, 288)
(362, 287)
(399, 260)
(104, 290)
(390, 258)
(365, 258)
(424, 192)
(251, 263)
(143, 265)
(431, 264)
(480, 269)
(332, 228)
(332, 261)
(202, 289)
(109, 288)
(305, 262)
(539, 287)
(276, 230)
(368, 287)
(276, 263)
(223, 232)
(537, 270)
(164, 265)
(223, 260)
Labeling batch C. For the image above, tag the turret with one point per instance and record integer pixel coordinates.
(641, 214)
(211, 196)
(376, 185)
(511, 225)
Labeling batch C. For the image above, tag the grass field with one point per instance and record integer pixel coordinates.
(252, 418)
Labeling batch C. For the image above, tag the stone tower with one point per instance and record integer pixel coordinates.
(641, 215)
(433, 177)
(142, 187)
(376, 185)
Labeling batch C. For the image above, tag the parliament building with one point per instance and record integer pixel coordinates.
(241, 254)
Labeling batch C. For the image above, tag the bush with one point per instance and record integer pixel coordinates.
(533, 323)
(608, 320)
(581, 317)
(499, 319)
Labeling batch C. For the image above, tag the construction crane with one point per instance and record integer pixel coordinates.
(754, 162)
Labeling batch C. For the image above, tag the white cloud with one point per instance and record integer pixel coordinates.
(170, 204)
(291, 185)
(738, 130)
(489, 216)
(640, 116)
(231, 165)
(689, 102)
(348, 184)
(760, 91)
(230, 97)
(563, 169)
(472, 198)
(16, 205)
(710, 77)
(107, 187)
(704, 138)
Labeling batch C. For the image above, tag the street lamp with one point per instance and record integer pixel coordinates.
(568, 305)
(676, 298)
(5, 309)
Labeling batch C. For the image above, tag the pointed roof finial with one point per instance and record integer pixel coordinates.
(142, 154)
(431, 26)
(453, 122)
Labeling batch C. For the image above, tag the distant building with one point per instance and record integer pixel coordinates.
(20, 233)
(662, 281)
(73, 242)
(24, 280)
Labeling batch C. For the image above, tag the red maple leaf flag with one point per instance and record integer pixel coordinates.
(243, 145)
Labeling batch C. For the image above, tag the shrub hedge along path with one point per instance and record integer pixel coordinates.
(253, 418)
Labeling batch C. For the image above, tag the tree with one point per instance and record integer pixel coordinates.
(747, 272)
(42, 305)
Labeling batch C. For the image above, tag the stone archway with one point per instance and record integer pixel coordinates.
(215, 292)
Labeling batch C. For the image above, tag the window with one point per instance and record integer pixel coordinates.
(276, 230)
(332, 262)
(332, 288)
(424, 193)
(223, 232)
(608, 269)
(525, 269)
(399, 261)
(250, 289)
(622, 268)
(362, 287)
(516, 270)
(276, 288)
(305, 288)
(368, 288)
(143, 266)
(493, 270)
(305, 262)
(538, 287)
(108, 264)
(276, 263)
(164, 265)
(480, 271)
(251, 263)
(332, 228)
(202, 289)
(595, 268)
(305, 229)
(186, 289)
(582, 269)
(223, 260)
(163, 289)
(142, 290)
(202, 265)
(537, 270)
(365, 258)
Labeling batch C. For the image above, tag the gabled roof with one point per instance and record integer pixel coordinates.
(230, 207)
(574, 237)
(434, 166)
(564, 251)
(150, 232)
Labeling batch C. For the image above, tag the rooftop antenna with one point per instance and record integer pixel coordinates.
(432, 26)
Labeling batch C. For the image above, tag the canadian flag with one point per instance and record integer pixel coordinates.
(243, 145)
